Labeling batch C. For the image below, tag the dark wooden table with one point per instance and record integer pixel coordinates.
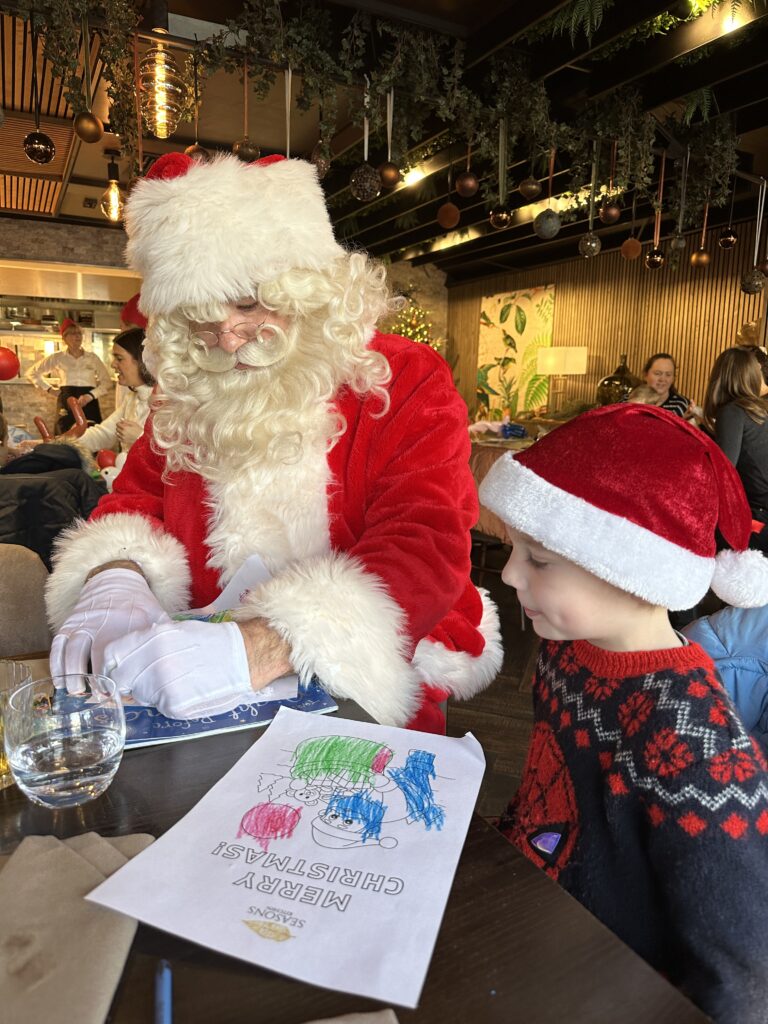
(513, 946)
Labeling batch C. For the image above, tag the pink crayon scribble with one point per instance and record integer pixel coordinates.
(266, 822)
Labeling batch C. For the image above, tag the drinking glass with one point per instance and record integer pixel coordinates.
(64, 738)
(12, 675)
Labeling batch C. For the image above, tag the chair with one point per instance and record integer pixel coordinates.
(23, 624)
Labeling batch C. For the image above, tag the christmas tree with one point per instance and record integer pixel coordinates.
(414, 323)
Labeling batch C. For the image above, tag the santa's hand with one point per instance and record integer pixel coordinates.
(185, 669)
(112, 603)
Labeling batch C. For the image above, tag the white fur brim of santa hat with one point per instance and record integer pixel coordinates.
(633, 494)
(210, 232)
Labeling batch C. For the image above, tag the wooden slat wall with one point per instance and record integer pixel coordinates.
(614, 306)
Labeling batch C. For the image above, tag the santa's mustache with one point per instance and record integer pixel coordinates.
(269, 347)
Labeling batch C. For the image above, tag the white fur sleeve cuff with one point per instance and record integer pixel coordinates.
(123, 535)
(344, 628)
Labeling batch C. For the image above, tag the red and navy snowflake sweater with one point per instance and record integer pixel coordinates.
(646, 798)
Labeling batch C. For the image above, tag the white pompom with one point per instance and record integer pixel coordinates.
(741, 578)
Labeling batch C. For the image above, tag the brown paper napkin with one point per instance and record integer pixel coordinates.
(60, 956)
(379, 1017)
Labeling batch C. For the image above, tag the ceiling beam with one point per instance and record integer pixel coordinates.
(506, 26)
(641, 61)
(723, 65)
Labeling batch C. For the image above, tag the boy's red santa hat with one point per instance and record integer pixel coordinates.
(210, 232)
(634, 495)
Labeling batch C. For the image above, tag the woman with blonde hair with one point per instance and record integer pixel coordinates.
(736, 413)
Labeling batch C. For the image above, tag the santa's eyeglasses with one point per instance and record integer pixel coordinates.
(245, 332)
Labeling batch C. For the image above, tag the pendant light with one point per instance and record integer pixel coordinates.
(113, 200)
(162, 88)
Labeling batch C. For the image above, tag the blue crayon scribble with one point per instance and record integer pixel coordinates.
(414, 781)
(356, 808)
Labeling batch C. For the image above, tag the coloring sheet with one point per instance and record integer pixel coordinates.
(326, 853)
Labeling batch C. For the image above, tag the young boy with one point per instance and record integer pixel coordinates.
(642, 794)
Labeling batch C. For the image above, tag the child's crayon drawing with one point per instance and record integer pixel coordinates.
(356, 789)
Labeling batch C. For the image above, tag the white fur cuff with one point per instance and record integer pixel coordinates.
(344, 628)
(123, 535)
(462, 673)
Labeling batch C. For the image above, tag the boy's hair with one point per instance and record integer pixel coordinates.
(635, 495)
(644, 394)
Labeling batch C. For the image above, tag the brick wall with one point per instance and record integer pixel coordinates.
(22, 239)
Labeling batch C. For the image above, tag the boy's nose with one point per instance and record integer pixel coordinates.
(511, 574)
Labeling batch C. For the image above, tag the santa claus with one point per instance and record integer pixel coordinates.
(284, 426)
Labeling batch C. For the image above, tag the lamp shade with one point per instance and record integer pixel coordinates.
(566, 359)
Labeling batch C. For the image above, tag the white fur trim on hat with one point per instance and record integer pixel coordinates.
(612, 548)
(122, 535)
(214, 232)
(344, 628)
(741, 578)
(462, 673)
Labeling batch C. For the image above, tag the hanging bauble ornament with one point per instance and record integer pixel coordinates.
(547, 224)
(677, 243)
(728, 238)
(589, 245)
(501, 217)
(529, 188)
(389, 174)
(39, 147)
(365, 183)
(654, 258)
(246, 149)
(321, 161)
(198, 152)
(700, 258)
(630, 249)
(88, 127)
(609, 213)
(9, 364)
(467, 184)
(448, 215)
(753, 281)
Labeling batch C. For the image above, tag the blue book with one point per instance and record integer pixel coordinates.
(146, 726)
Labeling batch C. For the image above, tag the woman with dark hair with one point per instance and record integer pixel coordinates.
(659, 375)
(736, 412)
(126, 423)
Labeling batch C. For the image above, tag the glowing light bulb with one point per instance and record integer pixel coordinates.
(112, 202)
(415, 174)
(163, 91)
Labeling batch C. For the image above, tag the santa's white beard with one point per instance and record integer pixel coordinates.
(231, 417)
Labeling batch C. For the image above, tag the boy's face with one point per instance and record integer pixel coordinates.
(564, 601)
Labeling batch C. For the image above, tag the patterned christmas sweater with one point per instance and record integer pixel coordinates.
(644, 796)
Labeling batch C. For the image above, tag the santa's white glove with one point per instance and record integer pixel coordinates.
(111, 604)
(185, 669)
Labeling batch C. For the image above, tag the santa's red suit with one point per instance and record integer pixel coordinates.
(368, 545)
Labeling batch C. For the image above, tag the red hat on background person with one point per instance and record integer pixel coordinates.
(130, 316)
(66, 323)
(634, 495)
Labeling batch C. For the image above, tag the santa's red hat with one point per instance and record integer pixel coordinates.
(66, 323)
(130, 315)
(634, 495)
(210, 232)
